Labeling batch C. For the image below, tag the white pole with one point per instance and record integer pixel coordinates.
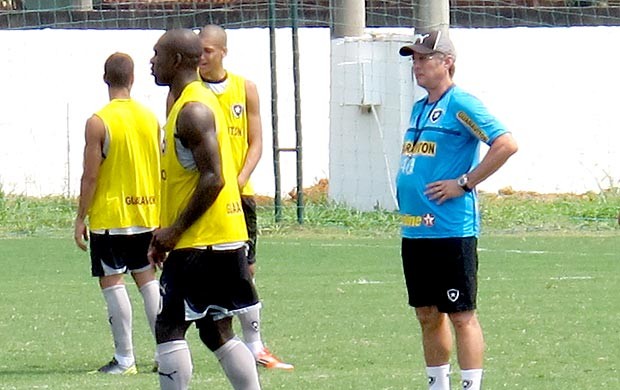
(349, 18)
(433, 14)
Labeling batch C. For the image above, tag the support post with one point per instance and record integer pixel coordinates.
(349, 18)
(433, 14)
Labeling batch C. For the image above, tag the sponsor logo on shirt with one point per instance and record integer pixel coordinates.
(427, 220)
(472, 126)
(234, 131)
(424, 148)
(233, 208)
(140, 200)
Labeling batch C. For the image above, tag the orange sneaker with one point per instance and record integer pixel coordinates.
(266, 359)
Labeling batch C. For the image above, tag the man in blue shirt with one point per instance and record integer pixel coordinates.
(439, 169)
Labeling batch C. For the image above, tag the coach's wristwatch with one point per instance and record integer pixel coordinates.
(462, 182)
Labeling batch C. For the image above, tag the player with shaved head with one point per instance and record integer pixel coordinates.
(201, 242)
(238, 98)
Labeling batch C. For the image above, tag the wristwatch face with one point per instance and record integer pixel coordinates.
(462, 181)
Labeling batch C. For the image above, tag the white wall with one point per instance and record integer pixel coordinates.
(553, 87)
(556, 90)
(52, 82)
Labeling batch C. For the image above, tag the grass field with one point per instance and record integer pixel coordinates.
(335, 306)
(335, 302)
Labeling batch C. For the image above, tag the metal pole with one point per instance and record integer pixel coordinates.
(274, 111)
(298, 144)
(433, 14)
(349, 18)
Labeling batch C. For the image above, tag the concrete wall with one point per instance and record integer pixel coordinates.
(553, 87)
(52, 82)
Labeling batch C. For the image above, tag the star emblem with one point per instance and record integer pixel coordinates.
(428, 220)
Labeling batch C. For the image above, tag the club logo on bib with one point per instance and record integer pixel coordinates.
(453, 294)
(436, 114)
(237, 110)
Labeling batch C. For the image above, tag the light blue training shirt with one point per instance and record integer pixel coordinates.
(442, 143)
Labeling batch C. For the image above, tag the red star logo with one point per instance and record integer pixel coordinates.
(428, 220)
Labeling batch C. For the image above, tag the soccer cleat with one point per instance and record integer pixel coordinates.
(266, 359)
(115, 368)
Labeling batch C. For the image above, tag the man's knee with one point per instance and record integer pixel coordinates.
(111, 280)
(214, 334)
(165, 332)
(464, 319)
(144, 276)
(429, 317)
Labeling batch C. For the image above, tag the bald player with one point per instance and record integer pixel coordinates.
(201, 242)
(238, 98)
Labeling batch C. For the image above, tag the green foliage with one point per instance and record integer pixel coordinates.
(530, 212)
(2, 200)
(21, 215)
(328, 216)
(507, 213)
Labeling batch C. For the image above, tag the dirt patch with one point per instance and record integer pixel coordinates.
(314, 193)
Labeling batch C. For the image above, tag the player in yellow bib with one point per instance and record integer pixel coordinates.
(120, 194)
(238, 98)
(201, 242)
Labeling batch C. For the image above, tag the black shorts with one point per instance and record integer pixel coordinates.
(196, 283)
(441, 272)
(117, 254)
(248, 203)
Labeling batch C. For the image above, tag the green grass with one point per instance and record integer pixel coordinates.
(335, 302)
(336, 308)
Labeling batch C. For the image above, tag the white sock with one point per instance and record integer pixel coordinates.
(250, 327)
(438, 377)
(472, 379)
(238, 364)
(152, 302)
(175, 365)
(119, 316)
